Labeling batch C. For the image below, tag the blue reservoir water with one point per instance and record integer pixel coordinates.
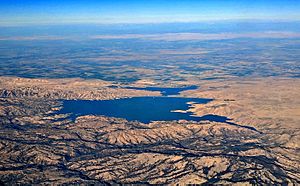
(142, 109)
(166, 91)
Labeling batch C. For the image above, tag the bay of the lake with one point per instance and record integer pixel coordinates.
(142, 109)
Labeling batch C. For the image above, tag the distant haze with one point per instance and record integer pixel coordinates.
(33, 12)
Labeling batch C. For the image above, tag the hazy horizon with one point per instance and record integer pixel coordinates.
(29, 12)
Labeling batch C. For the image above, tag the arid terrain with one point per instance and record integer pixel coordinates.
(258, 145)
(211, 103)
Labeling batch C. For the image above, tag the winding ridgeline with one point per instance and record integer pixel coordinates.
(40, 145)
